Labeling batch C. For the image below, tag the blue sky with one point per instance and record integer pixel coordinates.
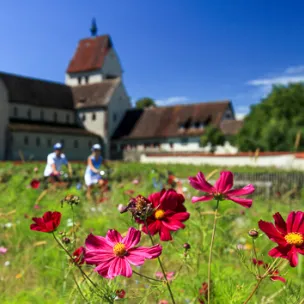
(175, 51)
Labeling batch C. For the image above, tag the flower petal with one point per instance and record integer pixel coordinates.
(280, 224)
(119, 266)
(169, 200)
(113, 236)
(153, 227)
(224, 183)
(137, 256)
(154, 198)
(165, 234)
(196, 199)
(298, 221)
(272, 232)
(180, 216)
(103, 268)
(292, 256)
(132, 238)
(95, 257)
(200, 183)
(278, 252)
(243, 191)
(277, 278)
(95, 242)
(173, 225)
(245, 202)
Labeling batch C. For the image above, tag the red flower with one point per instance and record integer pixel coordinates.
(48, 223)
(171, 179)
(288, 235)
(169, 214)
(273, 274)
(35, 183)
(78, 255)
(221, 190)
(120, 293)
(113, 254)
(203, 291)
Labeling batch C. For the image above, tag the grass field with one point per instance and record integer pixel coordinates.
(35, 270)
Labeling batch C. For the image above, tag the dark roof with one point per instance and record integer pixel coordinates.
(37, 92)
(94, 95)
(175, 121)
(43, 127)
(90, 54)
(231, 127)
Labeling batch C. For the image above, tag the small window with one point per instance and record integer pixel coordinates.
(49, 142)
(29, 114)
(86, 79)
(15, 111)
(75, 143)
(26, 140)
(93, 116)
(41, 115)
(184, 141)
(38, 141)
(83, 117)
(114, 116)
(79, 80)
(55, 116)
(67, 118)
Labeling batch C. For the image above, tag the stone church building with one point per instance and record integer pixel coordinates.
(94, 106)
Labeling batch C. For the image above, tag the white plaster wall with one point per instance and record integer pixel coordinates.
(32, 151)
(48, 113)
(4, 110)
(93, 77)
(281, 161)
(111, 65)
(96, 126)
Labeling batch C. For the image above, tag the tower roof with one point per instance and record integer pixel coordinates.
(90, 54)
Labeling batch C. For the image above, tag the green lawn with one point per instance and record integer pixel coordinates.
(35, 270)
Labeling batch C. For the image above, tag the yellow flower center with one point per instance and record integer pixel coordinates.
(159, 214)
(119, 249)
(294, 238)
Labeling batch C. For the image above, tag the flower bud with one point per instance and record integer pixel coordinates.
(253, 233)
(187, 246)
(66, 240)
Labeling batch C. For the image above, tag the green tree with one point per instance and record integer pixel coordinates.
(145, 102)
(212, 136)
(274, 123)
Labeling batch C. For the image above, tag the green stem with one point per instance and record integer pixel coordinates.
(211, 247)
(79, 289)
(254, 290)
(161, 265)
(256, 256)
(74, 232)
(146, 277)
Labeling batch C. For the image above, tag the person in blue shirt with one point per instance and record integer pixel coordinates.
(92, 174)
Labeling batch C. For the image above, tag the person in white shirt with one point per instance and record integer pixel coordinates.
(55, 161)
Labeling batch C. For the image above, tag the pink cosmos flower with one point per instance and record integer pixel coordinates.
(170, 275)
(221, 190)
(288, 235)
(3, 250)
(113, 254)
(135, 182)
(163, 302)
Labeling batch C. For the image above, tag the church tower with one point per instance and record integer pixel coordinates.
(93, 61)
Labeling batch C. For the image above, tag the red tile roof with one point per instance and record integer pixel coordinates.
(95, 94)
(90, 54)
(165, 122)
(231, 127)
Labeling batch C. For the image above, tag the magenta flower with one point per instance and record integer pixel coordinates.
(3, 250)
(113, 254)
(221, 190)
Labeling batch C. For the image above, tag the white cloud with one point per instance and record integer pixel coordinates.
(241, 112)
(172, 100)
(284, 80)
(295, 69)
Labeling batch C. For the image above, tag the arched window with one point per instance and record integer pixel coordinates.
(55, 116)
(38, 141)
(93, 116)
(15, 111)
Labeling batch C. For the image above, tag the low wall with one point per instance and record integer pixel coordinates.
(285, 160)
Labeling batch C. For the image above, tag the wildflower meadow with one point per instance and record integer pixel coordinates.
(159, 234)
